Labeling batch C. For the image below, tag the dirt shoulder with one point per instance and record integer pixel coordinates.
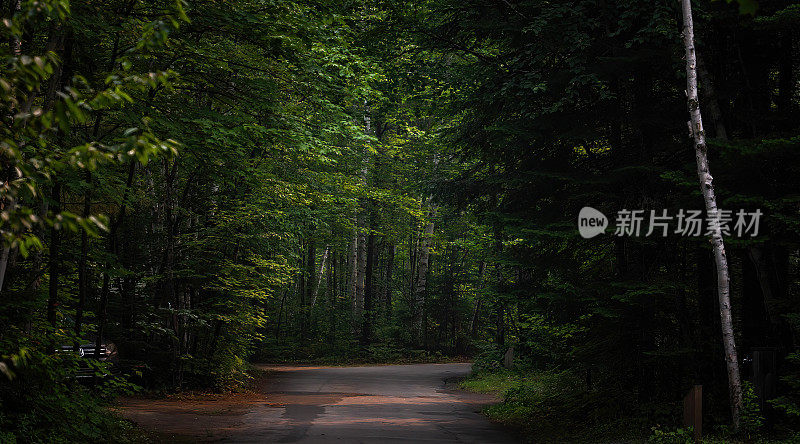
(194, 416)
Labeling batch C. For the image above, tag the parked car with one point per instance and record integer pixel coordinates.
(88, 352)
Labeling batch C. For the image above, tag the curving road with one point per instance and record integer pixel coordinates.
(397, 403)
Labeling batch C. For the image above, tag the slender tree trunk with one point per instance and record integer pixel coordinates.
(60, 40)
(412, 264)
(387, 296)
(369, 289)
(501, 325)
(755, 253)
(311, 268)
(3, 265)
(360, 274)
(766, 282)
(473, 324)
(170, 175)
(16, 44)
(714, 110)
(280, 315)
(785, 81)
(83, 278)
(421, 282)
(320, 275)
(112, 249)
(306, 289)
(353, 278)
(718, 246)
(102, 314)
(301, 276)
(55, 247)
(16, 50)
(332, 290)
(360, 241)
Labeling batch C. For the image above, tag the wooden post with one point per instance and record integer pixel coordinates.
(693, 411)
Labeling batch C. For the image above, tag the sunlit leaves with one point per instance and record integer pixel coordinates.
(34, 141)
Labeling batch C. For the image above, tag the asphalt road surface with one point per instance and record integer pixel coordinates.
(392, 403)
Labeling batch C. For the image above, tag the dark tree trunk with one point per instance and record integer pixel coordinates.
(311, 266)
(55, 247)
(501, 325)
(755, 327)
(369, 289)
(112, 249)
(60, 40)
(333, 293)
(280, 315)
(785, 81)
(307, 284)
(387, 296)
(300, 294)
(83, 272)
(473, 324)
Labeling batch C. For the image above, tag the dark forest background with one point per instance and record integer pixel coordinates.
(210, 183)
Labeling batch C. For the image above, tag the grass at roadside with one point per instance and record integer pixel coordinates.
(549, 406)
(496, 383)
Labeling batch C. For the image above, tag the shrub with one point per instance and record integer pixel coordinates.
(677, 436)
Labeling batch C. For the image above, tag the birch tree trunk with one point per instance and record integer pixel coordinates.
(319, 276)
(717, 244)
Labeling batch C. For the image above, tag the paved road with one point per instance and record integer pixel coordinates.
(396, 403)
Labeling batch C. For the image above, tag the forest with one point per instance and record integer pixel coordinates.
(192, 186)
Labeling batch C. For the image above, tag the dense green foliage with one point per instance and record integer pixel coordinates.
(567, 104)
(210, 182)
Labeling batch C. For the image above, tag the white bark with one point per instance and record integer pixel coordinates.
(717, 243)
(319, 276)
